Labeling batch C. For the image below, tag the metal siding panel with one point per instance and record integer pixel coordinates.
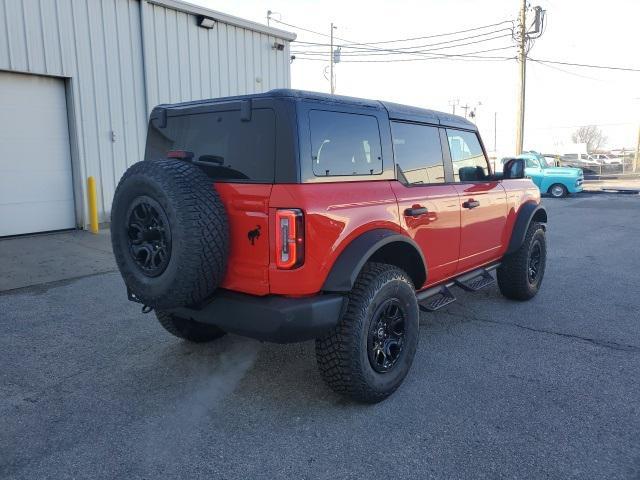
(16, 36)
(5, 52)
(162, 62)
(138, 88)
(251, 86)
(173, 58)
(194, 64)
(101, 45)
(257, 62)
(116, 132)
(273, 65)
(241, 86)
(287, 64)
(223, 50)
(102, 104)
(264, 61)
(214, 65)
(150, 69)
(203, 57)
(185, 66)
(233, 60)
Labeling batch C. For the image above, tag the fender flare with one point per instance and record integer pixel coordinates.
(527, 213)
(347, 266)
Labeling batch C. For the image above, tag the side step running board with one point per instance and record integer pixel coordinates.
(440, 296)
(476, 283)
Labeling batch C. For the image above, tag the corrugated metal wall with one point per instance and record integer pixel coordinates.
(99, 47)
(188, 62)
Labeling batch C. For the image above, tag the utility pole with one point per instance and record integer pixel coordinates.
(333, 87)
(636, 159)
(495, 132)
(465, 108)
(522, 64)
(453, 102)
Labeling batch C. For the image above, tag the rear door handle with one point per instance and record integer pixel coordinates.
(416, 211)
(471, 204)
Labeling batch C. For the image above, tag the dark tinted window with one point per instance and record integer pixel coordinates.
(418, 154)
(344, 144)
(469, 162)
(233, 149)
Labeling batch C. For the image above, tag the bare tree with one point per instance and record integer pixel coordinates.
(591, 135)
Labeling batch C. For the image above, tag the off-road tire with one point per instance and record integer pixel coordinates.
(513, 273)
(188, 329)
(199, 232)
(342, 355)
(562, 188)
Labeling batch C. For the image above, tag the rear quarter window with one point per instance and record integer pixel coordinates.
(344, 144)
(227, 147)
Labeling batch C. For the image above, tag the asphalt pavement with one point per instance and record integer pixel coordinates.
(92, 388)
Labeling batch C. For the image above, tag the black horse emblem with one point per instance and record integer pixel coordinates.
(254, 234)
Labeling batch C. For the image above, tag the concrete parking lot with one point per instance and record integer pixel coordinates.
(91, 388)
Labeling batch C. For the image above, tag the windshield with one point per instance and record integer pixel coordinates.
(547, 162)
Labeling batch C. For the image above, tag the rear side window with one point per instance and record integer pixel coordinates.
(344, 144)
(418, 153)
(469, 162)
(229, 148)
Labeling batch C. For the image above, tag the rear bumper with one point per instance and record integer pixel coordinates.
(272, 318)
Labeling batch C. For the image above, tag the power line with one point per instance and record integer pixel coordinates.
(462, 57)
(389, 49)
(351, 42)
(436, 35)
(465, 54)
(604, 67)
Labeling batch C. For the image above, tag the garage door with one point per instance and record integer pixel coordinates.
(36, 189)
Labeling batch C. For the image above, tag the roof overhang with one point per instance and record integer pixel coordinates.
(224, 18)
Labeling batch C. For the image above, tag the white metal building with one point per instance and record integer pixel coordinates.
(78, 79)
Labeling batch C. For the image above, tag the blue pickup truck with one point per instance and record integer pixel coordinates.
(556, 181)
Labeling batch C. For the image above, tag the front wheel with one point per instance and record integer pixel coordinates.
(368, 354)
(557, 190)
(520, 274)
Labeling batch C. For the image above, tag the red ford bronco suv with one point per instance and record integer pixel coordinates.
(290, 215)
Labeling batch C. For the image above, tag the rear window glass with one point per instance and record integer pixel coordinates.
(344, 144)
(418, 153)
(228, 147)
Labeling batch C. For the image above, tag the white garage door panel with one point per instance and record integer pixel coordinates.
(36, 188)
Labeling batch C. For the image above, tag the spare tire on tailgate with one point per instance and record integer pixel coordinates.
(169, 233)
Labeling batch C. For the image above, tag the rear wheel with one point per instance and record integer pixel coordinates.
(369, 353)
(520, 274)
(188, 329)
(558, 190)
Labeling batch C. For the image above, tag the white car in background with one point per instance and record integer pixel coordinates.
(606, 159)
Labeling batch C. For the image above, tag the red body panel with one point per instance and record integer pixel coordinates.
(518, 193)
(482, 228)
(247, 208)
(436, 232)
(453, 239)
(334, 214)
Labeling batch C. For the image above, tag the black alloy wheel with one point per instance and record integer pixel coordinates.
(535, 257)
(149, 236)
(386, 335)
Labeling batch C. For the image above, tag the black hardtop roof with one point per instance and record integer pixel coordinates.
(395, 110)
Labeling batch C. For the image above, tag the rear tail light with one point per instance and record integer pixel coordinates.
(289, 238)
(180, 154)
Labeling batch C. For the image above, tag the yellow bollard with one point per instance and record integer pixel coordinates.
(92, 198)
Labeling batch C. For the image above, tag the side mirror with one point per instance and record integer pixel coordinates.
(513, 169)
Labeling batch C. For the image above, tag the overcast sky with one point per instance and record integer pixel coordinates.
(559, 98)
